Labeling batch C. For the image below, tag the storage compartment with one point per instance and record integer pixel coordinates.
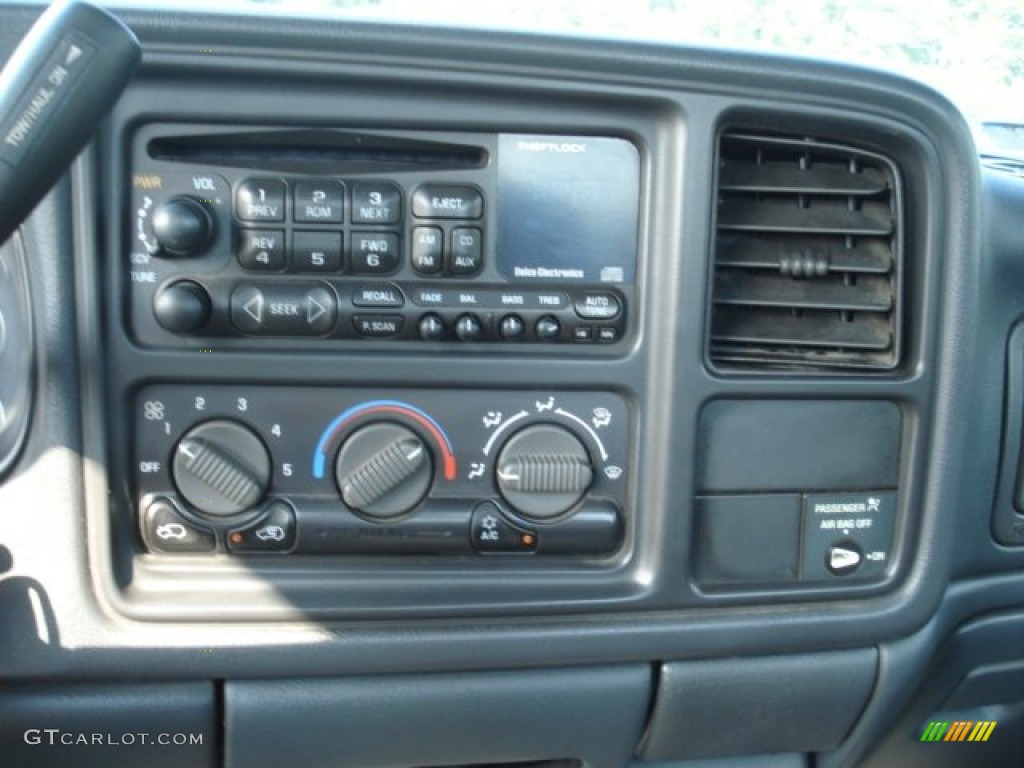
(591, 718)
(757, 706)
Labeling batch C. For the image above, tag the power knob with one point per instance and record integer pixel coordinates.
(221, 468)
(182, 226)
(383, 471)
(543, 471)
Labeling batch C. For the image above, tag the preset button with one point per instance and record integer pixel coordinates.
(376, 202)
(374, 252)
(261, 249)
(260, 200)
(319, 202)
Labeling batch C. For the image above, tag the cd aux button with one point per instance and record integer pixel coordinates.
(467, 251)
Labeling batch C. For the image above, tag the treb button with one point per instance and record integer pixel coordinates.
(288, 309)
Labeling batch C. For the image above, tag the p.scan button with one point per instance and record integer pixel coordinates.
(293, 309)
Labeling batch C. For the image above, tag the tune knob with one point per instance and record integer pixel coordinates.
(182, 307)
(183, 226)
(383, 470)
(221, 468)
(543, 471)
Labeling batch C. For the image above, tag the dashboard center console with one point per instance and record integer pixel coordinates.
(350, 237)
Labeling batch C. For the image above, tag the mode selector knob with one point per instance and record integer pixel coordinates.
(183, 226)
(383, 470)
(221, 468)
(543, 471)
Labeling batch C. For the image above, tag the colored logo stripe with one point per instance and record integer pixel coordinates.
(935, 731)
(958, 730)
(982, 731)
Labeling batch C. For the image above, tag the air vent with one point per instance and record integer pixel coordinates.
(807, 256)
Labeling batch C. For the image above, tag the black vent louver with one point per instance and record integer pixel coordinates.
(807, 256)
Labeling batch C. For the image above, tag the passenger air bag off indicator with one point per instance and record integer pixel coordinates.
(847, 535)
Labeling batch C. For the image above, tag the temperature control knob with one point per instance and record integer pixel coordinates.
(183, 226)
(221, 468)
(383, 470)
(543, 471)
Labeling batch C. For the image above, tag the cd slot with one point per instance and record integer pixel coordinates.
(319, 151)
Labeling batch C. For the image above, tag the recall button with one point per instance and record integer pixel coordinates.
(378, 326)
(447, 201)
(288, 309)
(378, 295)
(598, 306)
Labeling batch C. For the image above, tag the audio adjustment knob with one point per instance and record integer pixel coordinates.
(543, 471)
(383, 471)
(182, 307)
(183, 226)
(221, 468)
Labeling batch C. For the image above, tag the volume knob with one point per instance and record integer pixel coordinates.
(543, 471)
(183, 226)
(221, 468)
(383, 471)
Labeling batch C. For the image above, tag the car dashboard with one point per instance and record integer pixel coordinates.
(402, 397)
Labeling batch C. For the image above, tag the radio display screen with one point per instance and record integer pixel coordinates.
(567, 208)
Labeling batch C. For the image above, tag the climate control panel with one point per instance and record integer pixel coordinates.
(327, 471)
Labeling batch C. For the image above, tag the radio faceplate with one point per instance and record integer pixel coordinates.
(238, 237)
(250, 470)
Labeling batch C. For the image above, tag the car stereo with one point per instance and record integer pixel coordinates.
(243, 237)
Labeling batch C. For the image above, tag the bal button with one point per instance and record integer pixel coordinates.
(468, 328)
